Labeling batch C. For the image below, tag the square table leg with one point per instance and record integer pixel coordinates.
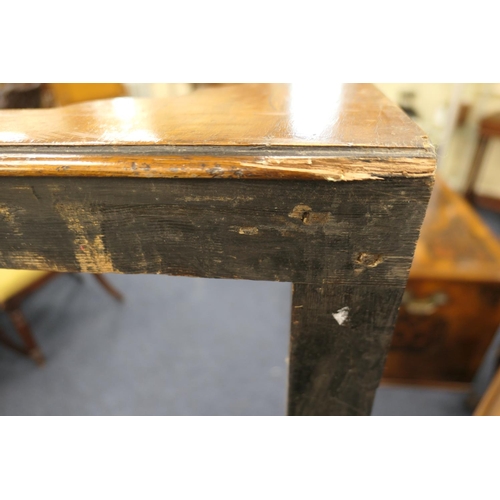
(340, 337)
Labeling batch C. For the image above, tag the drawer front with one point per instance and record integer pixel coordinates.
(443, 331)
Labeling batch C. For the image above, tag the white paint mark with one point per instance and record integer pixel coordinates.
(341, 315)
(248, 230)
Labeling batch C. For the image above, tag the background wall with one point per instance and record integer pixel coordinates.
(438, 105)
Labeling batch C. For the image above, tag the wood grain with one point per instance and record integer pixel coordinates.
(336, 364)
(215, 163)
(309, 231)
(349, 132)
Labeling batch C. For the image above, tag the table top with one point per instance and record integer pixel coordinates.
(346, 131)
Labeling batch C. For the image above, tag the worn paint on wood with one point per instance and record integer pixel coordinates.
(309, 232)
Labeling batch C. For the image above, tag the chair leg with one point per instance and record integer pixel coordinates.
(12, 345)
(24, 331)
(107, 286)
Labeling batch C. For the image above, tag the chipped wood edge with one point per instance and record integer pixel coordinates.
(328, 168)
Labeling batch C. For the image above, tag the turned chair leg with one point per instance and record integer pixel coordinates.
(24, 331)
(108, 287)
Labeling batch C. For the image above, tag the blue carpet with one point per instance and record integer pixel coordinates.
(177, 346)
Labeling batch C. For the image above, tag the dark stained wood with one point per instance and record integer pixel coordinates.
(476, 166)
(324, 187)
(490, 125)
(337, 363)
(487, 202)
(346, 232)
(20, 95)
(285, 134)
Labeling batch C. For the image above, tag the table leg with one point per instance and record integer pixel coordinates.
(475, 167)
(340, 337)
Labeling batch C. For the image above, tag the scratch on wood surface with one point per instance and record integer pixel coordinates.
(248, 230)
(218, 198)
(90, 251)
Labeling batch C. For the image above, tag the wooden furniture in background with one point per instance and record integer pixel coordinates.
(451, 306)
(489, 127)
(490, 402)
(323, 187)
(17, 285)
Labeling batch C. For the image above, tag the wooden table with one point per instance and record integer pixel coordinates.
(322, 186)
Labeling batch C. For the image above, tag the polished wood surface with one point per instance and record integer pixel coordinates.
(345, 132)
(454, 242)
(71, 93)
(255, 114)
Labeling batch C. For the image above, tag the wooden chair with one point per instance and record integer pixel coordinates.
(15, 286)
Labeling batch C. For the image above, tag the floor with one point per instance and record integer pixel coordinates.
(177, 346)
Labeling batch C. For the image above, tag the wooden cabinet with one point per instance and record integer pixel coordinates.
(451, 307)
